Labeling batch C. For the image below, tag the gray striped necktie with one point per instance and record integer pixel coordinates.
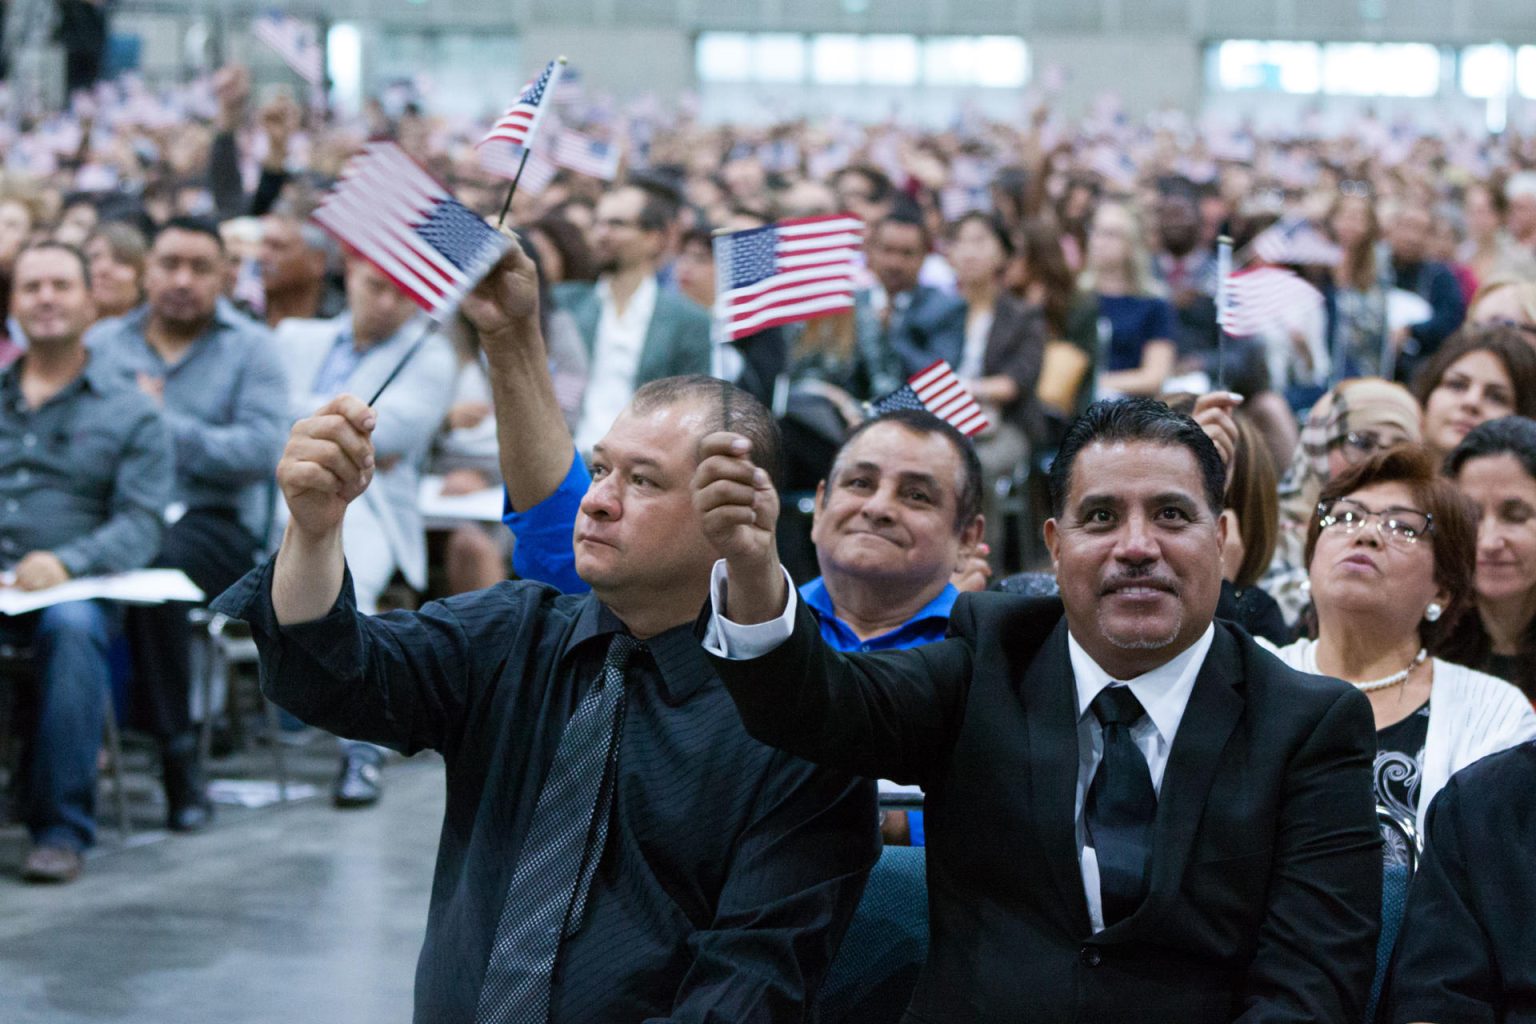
(548, 894)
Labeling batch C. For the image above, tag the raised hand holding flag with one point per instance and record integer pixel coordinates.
(520, 123)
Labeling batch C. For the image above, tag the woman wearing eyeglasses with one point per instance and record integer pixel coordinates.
(1480, 374)
(1351, 422)
(1495, 466)
(1390, 556)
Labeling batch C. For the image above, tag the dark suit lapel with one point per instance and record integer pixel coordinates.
(1214, 708)
(1048, 692)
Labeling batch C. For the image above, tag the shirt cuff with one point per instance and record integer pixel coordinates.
(726, 639)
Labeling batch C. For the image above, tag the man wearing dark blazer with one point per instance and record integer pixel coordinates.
(1134, 813)
(903, 326)
(635, 331)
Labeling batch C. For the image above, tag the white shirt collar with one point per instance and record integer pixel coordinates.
(637, 314)
(1163, 692)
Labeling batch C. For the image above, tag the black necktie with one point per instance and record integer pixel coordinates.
(548, 894)
(1121, 806)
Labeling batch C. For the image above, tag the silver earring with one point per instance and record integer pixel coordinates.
(1433, 612)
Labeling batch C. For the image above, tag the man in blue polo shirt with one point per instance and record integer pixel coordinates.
(897, 516)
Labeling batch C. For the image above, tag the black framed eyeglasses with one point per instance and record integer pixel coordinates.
(1402, 527)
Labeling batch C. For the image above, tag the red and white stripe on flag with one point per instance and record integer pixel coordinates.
(505, 161)
(786, 272)
(941, 392)
(395, 215)
(521, 120)
(1264, 299)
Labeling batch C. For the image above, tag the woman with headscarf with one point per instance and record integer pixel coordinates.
(1353, 421)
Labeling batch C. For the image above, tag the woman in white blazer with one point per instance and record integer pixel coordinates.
(1390, 557)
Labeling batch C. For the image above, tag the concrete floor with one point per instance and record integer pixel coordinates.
(296, 914)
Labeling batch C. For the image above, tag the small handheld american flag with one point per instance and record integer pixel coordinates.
(518, 125)
(397, 217)
(936, 389)
(585, 155)
(296, 41)
(785, 272)
(1264, 299)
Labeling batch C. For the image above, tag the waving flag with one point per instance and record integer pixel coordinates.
(505, 161)
(1264, 299)
(785, 272)
(518, 125)
(585, 155)
(1296, 242)
(294, 40)
(936, 389)
(397, 217)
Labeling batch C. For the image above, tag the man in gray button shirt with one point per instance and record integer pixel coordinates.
(85, 470)
(224, 398)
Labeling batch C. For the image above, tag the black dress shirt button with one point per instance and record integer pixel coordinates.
(1090, 956)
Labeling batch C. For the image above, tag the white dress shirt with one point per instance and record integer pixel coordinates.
(1163, 692)
(615, 359)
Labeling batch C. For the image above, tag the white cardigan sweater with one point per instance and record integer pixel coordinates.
(1471, 715)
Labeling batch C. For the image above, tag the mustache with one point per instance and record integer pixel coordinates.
(1127, 578)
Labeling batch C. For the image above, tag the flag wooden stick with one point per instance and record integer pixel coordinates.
(513, 189)
(1223, 272)
(421, 339)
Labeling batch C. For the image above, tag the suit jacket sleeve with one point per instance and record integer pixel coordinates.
(1444, 968)
(794, 882)
(1316, 954)
(888, 715)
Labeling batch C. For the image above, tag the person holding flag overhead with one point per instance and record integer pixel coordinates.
(615, 848)
(507, 146)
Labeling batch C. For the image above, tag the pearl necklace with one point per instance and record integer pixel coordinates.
(1395, 677)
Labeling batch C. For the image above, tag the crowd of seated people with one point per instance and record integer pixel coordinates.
(1381, 467)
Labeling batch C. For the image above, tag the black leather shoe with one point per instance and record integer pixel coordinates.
(188, 808)
(358, 783)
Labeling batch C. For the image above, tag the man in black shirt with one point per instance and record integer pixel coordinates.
(697, 875)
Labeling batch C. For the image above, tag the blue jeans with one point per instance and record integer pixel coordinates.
(73, 677)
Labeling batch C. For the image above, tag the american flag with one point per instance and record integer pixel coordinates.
(397, 217)
(518, 124)
(1264, 299)
(936, 389)
(585, 155)
(1296, 242)
(955, 201)
(504, 160)
(785, 272)
(296, 41)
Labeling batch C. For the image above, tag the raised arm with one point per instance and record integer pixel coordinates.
(535, 446)
(327, 464)
(889, 715)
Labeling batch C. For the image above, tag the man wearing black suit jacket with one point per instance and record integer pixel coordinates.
(1195, 843)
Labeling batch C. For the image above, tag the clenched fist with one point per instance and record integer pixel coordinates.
(739, 511)
(328, 462)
